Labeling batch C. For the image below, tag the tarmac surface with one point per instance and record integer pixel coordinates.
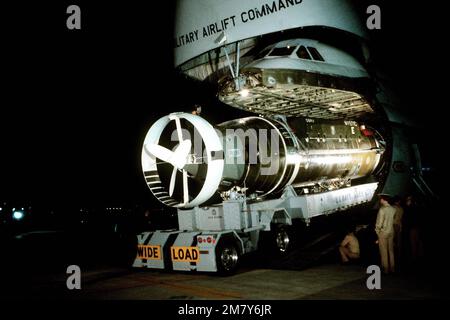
(327, 281)
(321, 282)
(34, 266)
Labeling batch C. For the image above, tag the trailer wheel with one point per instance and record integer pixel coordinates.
(282, 240)
(227, 257)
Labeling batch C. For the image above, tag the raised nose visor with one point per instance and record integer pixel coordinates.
(301, 77)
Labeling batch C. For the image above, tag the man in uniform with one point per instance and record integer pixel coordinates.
(398, 227)
(384, 227)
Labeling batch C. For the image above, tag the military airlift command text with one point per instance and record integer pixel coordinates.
(231, 21)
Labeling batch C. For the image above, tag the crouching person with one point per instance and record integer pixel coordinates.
(349, 248)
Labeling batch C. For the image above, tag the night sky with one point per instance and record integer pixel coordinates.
(75, 105)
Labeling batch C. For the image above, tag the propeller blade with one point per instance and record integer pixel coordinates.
(172, 181)
(181, 154)
(159, 152)
(185, 187)
(179, 131)
(177, 158)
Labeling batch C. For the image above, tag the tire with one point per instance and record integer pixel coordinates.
(227, 257)
(278, 242)
(283, 240)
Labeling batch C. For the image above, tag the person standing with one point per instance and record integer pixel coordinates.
(398, 227)
(384, 227)
(412, 225)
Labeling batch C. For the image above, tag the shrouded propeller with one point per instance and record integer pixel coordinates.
(154, 153)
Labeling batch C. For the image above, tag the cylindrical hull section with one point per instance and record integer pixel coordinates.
(300, 152)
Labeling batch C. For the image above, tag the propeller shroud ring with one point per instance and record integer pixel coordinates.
(215, 165)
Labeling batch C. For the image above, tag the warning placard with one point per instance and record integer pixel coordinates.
(149, 252)
(185, 254)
